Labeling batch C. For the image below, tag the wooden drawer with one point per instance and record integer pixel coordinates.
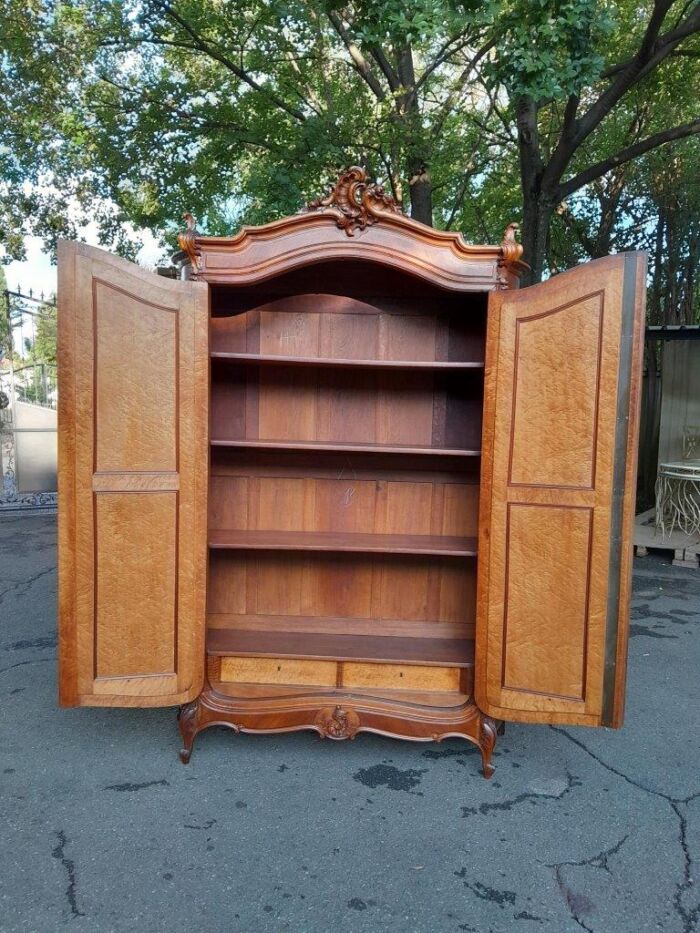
(278, 671)
(400, 676)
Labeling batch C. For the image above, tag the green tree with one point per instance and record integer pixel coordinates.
(133, 111)
(44, 346)
(5, 348)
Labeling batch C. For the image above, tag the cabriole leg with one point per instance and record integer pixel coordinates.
(188, 720)
(486, 744)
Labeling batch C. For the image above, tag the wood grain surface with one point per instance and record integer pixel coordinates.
(562, 375)
(133, 406)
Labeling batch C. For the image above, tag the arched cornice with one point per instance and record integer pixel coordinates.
(355, 221)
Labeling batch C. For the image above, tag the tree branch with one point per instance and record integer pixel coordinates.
(652, 51)
(459, 85)
(380, 58)
(224, 60)
(442, 56)
(360, 63)
(625, 155)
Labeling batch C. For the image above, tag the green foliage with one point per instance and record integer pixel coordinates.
(551, 48)
(44, 347)
(126, 113)
(4, 316)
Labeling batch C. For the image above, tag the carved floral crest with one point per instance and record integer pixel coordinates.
(360, 204)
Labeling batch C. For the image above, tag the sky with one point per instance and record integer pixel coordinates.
(37, 272)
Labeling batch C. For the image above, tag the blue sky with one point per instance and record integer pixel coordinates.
(37, 272)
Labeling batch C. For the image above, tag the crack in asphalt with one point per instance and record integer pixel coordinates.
(4, 670)
(571, 782)
(26, 643)
(689, 916)
(579, 903)
(128, 786)
(59, 853)
(15, 585)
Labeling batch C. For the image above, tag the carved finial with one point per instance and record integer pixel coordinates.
(512, 250)
(359, 204)
(188, 240)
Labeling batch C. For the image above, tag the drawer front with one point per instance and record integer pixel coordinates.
(278, 671)
(400, 676)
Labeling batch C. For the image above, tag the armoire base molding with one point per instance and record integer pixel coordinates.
(338, 715)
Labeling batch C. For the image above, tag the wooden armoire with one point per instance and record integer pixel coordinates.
(344, 476)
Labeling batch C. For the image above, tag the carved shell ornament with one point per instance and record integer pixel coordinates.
(359, 203)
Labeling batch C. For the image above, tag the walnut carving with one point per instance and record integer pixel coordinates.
(337, 723)
(510, 248)
(188, 240)
(357, 203)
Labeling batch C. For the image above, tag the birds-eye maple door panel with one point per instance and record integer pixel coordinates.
(133, 403)
(561, 410)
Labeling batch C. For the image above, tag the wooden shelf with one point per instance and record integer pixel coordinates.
(310, 626)
(452, 652)
(440, 545)
(258, 359)
(336, 446)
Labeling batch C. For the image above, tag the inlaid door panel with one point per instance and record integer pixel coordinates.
(561, 412)
(132, 482)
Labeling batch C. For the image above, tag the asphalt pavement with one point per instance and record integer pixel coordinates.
(103, 830)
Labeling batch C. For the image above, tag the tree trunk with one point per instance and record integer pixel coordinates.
(537, 215)
(538, 205)
(420, 185)
(421, 191)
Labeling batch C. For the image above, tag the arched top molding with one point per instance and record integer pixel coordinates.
(355, 221)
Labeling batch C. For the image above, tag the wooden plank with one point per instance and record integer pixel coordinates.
(346, 447)
(441, 545)
(341, 625)
(260, 359)
(429, 651)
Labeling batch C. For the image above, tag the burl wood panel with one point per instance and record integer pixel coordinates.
(341, 674)
(129, 341)
(546, 598)
(400, 677)
(566, 345)
(562, 373)
(133, 405)
(278, 671)
(136, 584)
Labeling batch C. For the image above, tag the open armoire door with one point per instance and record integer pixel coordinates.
(563, 368)
(133, 375)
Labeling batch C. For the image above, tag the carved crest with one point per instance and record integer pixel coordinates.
(338, 723)
(360, 204)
